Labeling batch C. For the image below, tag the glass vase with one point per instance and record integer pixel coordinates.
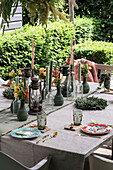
(22, 114)
(86, 87)
(58, 99)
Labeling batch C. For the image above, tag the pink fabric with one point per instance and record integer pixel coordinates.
(92, 74)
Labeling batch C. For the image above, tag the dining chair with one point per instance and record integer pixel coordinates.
(100, 163)
(9, 163)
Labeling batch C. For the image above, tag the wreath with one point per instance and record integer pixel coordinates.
(90, 103)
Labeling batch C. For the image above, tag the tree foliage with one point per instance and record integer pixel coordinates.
(101, 10)
(42, 7)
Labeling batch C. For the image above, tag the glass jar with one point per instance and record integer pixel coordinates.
(77, 116)
(41, 119)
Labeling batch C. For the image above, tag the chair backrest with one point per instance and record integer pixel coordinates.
(9, 163)
(101, 68)
(99, 163)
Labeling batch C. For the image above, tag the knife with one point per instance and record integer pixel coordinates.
(21, 134)
(42, 139)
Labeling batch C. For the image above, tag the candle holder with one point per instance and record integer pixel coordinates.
(26, 72)
(35, 98)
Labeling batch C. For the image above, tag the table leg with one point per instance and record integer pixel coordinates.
(112, 150)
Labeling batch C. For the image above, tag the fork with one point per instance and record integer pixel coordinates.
(79, 134)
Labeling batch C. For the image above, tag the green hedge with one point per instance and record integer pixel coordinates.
(52, 42)
(98, 51)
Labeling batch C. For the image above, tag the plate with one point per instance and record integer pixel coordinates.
(25, 133)
(96, 129)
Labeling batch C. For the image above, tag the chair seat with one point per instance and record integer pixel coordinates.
(9, 163)
(99, 163)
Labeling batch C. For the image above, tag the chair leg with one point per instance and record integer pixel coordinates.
(112, 150)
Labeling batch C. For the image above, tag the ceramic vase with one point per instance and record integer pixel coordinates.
(58, 99)
(86, 87)
(11, 107)
(22, 114)
(16, 106)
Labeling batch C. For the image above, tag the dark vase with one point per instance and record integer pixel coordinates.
(16, 106)
(22, 114)
(11, 107)
(86, 87)
(58, 99)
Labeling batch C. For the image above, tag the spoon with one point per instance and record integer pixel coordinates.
(52, 136)
(93, 121)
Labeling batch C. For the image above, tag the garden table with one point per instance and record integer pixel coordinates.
(68, 150)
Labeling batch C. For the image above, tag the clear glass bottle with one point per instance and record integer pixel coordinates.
(41, 118)
(72, 97)
(79, 89)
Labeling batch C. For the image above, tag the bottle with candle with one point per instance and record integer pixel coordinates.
(79, 86)
(49, 101)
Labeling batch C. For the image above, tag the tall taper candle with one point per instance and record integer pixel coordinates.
(50, 75)
(32, 65)
(71, 51)
(79, 72)
(47, 74)
(17, 81)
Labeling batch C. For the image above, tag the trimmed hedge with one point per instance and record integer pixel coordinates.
(52, 42)
(98, 51)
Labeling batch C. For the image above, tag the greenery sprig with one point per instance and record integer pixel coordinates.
(90, 103)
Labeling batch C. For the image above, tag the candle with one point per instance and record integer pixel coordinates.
(72, 58)
(17, 81)
(79, 72)
(32, 65)
(47, 72)
(50, 75)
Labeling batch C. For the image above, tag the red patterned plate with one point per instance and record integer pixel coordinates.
(96, 129)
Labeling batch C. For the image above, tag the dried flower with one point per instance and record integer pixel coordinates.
(84, 68)
(42, 74)
(67, 62)
(57, 80)
(19, 72)
(21, 91)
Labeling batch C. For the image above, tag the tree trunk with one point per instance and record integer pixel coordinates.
(71, 11)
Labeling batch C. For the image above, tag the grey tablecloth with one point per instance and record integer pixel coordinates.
(68, 150)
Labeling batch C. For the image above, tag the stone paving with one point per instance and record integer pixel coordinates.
(4, 102)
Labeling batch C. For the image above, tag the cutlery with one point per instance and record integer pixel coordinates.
(79, 134)
(42, 139)
(21, 134)
(93, 121)
(51, 136)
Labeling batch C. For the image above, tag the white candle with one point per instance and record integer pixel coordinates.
(17, 81)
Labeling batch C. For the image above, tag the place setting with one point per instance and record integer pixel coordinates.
(93, 129)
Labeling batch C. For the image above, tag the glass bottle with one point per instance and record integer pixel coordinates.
(79, 86)
(41, 118)
(44, 91)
